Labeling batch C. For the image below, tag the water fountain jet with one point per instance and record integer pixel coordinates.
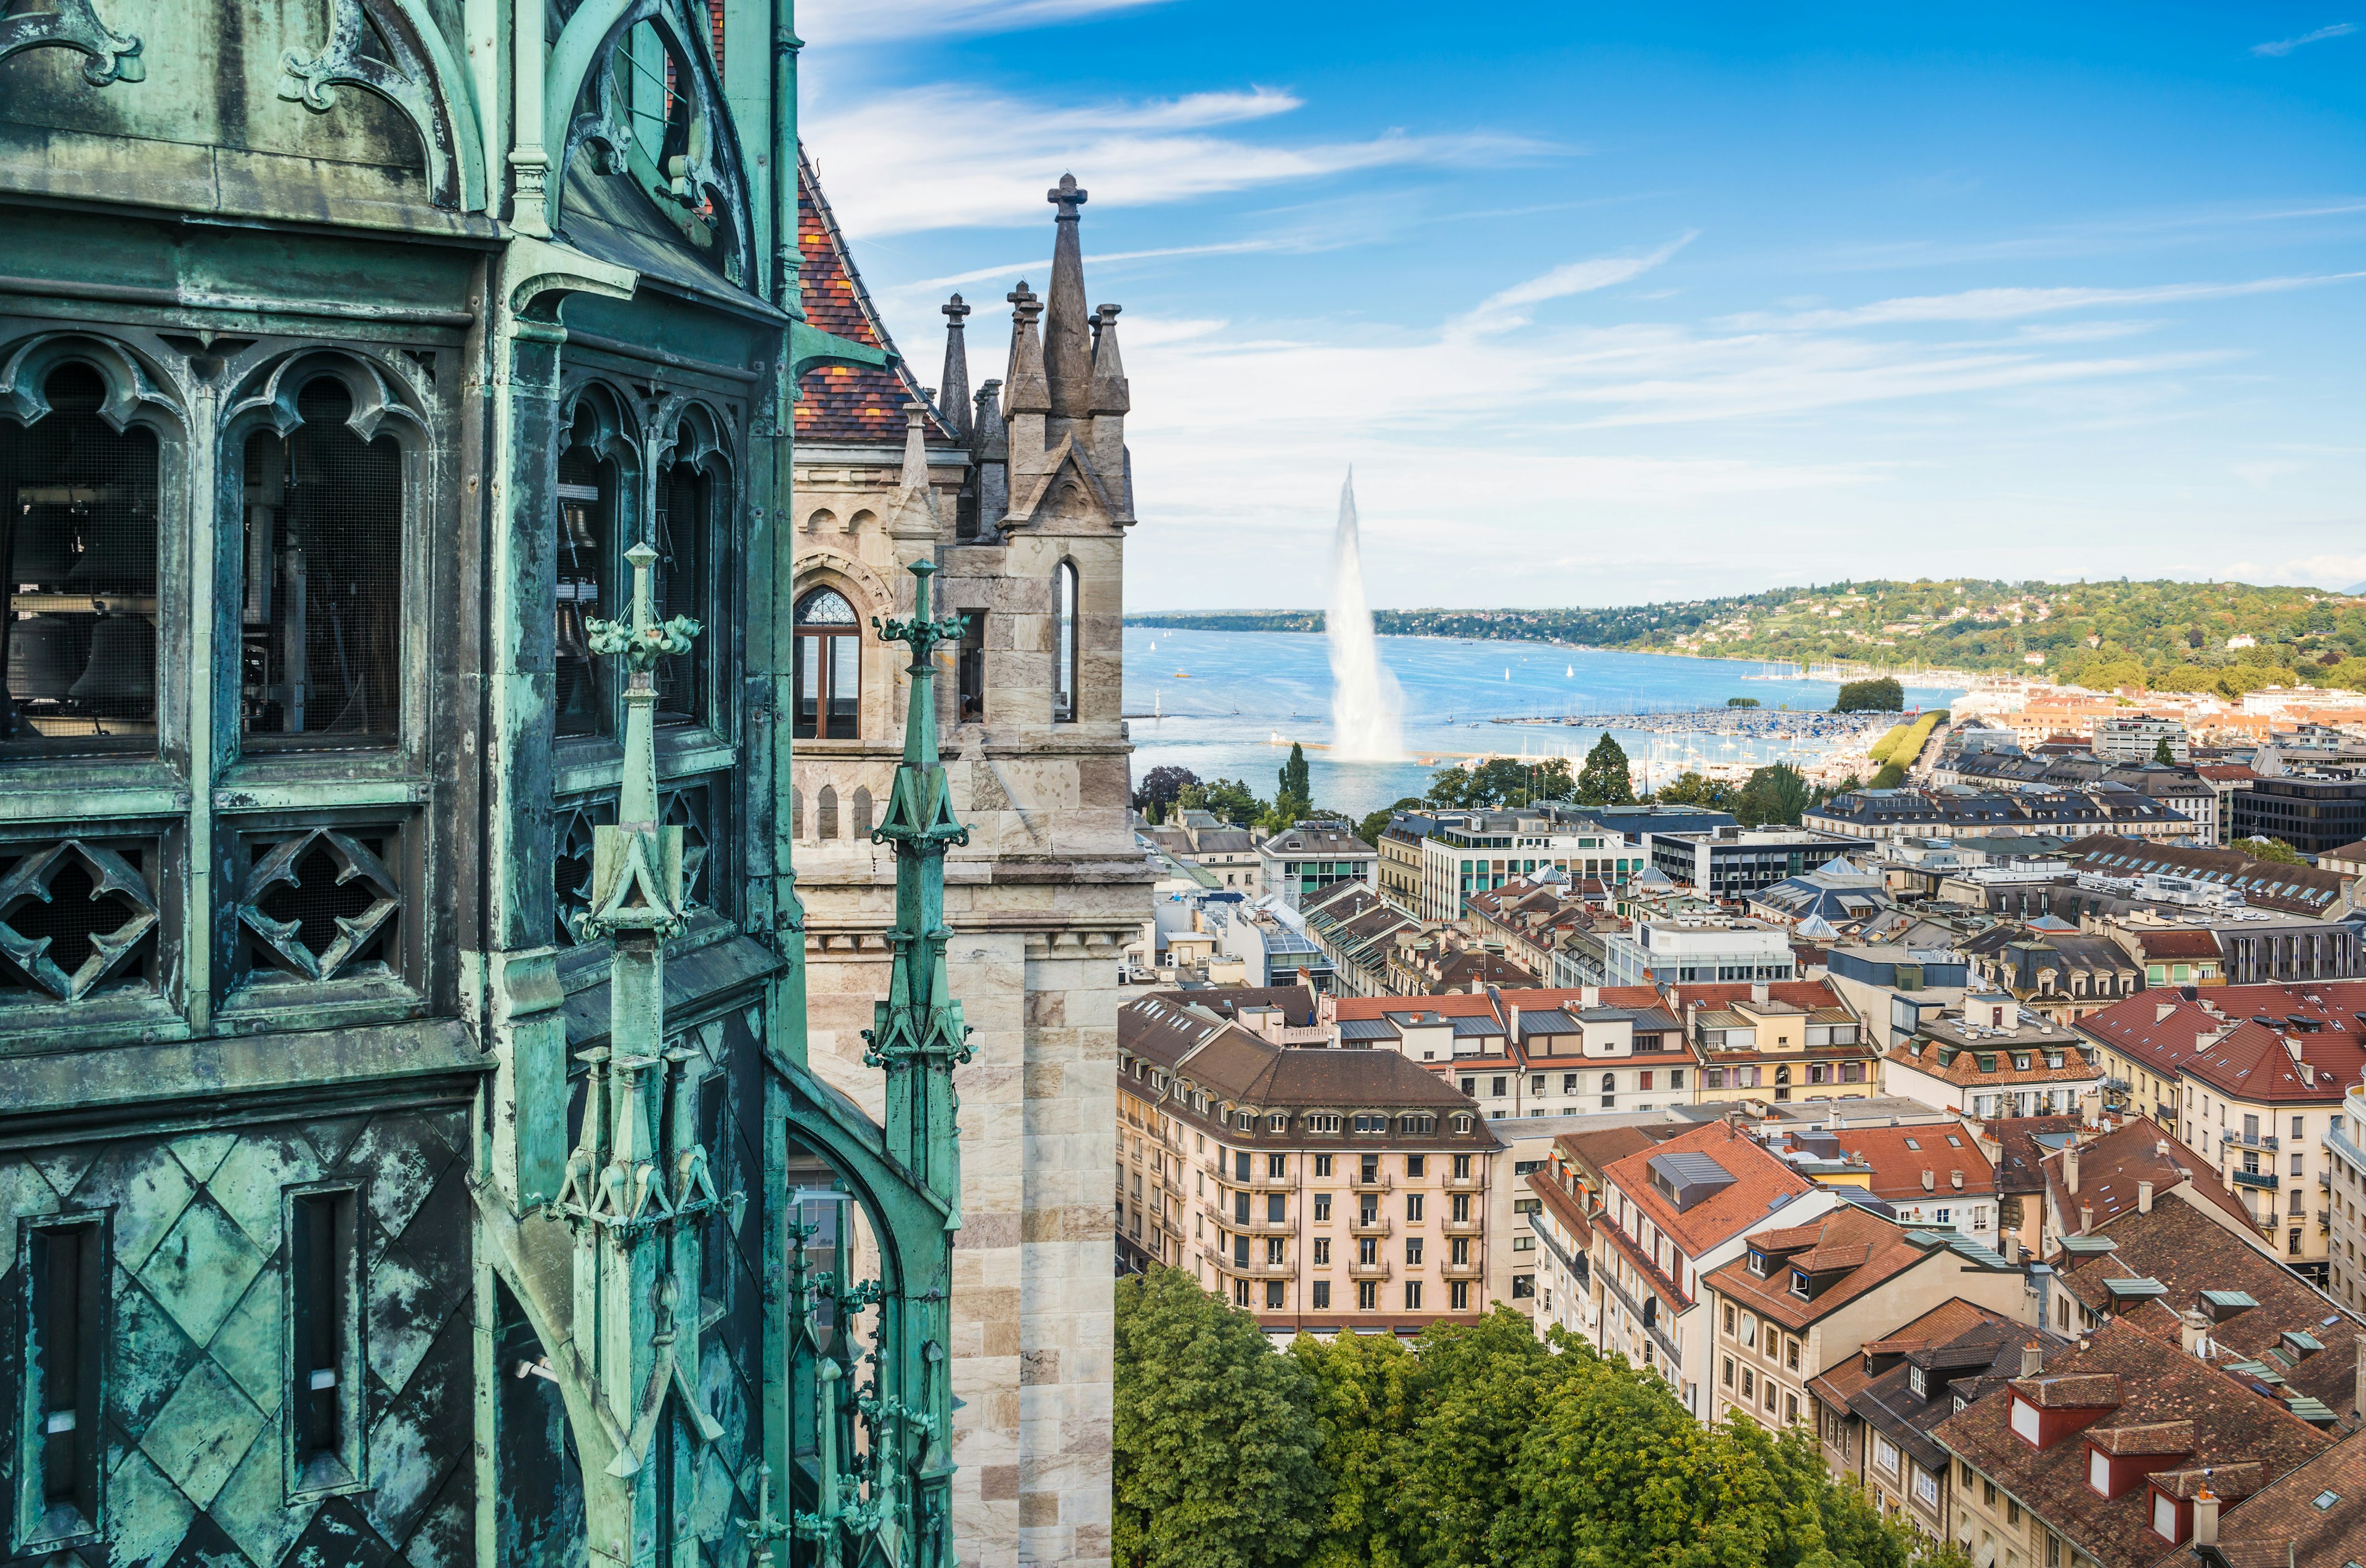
(1367, 710)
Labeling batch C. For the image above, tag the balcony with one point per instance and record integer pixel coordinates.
(1461, 1228)
(1377, 1270)
(1470, 1270)
(1256, 1270)
(2325, 1219)
(2265, 1180)
(1379, 1182)
(2268, 1224)
(1471, 1183)
(1368, 1225)
(2250, 1140)
(2324, 1179)
(1268, 1227)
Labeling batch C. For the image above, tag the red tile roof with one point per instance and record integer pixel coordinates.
(846, 403)
(1760, 1181)
(1898, 1168)
(2162, 1031)
(2110, 1167)
(2256, 1062)
(2151, 1384)
(1808, 994)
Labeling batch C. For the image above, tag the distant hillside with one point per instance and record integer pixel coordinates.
(2163, 635)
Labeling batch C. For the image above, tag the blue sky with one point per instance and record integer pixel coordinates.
(1612, 303)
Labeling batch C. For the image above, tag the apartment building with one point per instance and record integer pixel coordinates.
(1324, 1190)
(1472, 851)
(2017, 1146)
(2054, 973)
(1301, 863)
(1671, 1215)
(1397, 859)
(1734, 863)
(1698, 949)
(1564, 1195)
(1990, 1058)
(1776, 1041)
(1805, 1297)
(1226, 852)
(1879, 1407)
(2113, 1454)
(1932, 1177)
(1533, 1052)
(2345, 1148)
(2253, 1076)
(2138, 737)
(1355, 931)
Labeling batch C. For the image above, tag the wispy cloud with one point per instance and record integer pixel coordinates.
(2282, 46)
(888, 158)
(879, 21)
(2011, 304)
(1041, 266)
(1507, 308)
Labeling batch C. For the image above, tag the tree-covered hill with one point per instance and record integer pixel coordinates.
(2229, 636)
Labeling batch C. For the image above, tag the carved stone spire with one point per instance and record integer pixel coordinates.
(1028, 392)
(1110, 394)
(1067, 323)
(915, 514)
(952, 388)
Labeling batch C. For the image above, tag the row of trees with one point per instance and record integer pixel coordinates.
(1168, 791)
(1474, 1444)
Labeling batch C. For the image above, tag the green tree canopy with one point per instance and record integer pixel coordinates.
(1229, 800)
(1690, 788)
(1370, 828)
(1215, 1438)
(1882, 695)
(1604, 780)
(1891, 776)
(2162, 754)
(1295, 799)
(1501, 782)
(2274, 850)
(1774, 794)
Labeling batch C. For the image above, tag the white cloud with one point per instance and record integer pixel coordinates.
(2010, 304)
(825, 22)
(1041, 266)
(1502, 312)
(885, 161)
(2282, 47)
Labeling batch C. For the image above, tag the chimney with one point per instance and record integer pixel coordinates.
(2144, 1197)
(1758, 991)
(1955, 1178)
(2033, 1360)
(2086, 1218)
(1930, 1182)
(2205, 1516)
(2070, 1168)
(1589, 996)
(2193, 1333)
(2160, 1010)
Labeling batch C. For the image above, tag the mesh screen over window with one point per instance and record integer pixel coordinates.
(586, 522)
(678, 586)
(322, 607)
(79, 537)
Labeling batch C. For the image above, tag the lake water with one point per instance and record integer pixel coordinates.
(1233, 702)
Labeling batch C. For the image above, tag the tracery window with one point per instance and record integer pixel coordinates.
(584, 552)
(685, 520)
(829, 668)
(79, 537)
(321, 644)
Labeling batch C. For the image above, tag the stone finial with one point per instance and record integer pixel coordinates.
(1110, 393)
(1067, 330)
(953, 385)
(1028, 392)
(1067, 196)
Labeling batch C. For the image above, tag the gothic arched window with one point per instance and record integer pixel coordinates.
(830, 668)
(826, 813)
(321, 609)
(80, 498)
(1063, 679)
(681, 586)
(862, 813)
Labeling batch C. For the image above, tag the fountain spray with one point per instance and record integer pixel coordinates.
(1366, 706)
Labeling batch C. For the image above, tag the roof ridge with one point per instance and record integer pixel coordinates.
(809, 193)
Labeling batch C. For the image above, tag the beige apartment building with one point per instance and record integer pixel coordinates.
(1324, 1190)
(1805, 1298)
(2345, 1149)
(1777, 1039)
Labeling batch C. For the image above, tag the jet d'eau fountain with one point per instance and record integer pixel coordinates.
(1367, 710)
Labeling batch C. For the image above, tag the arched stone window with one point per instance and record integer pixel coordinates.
(1063, 652)
(797, 813)
(830, 668)
(826, 813)
(321, 606)
(79, 495)
(595, 477)
(862, 813)
(682, 534)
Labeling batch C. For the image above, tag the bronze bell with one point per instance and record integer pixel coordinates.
(120, 681)
(119, 550)
(45, 654)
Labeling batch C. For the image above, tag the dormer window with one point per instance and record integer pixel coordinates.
(1758, 1263)
(1921, 1384)
(2024, 1422)
(1800, 1283)
(2099, 1470)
